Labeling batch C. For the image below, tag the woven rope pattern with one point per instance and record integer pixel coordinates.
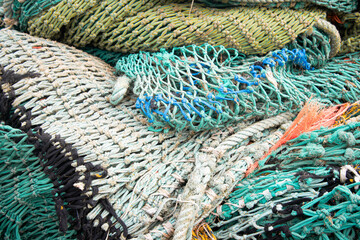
(140, 172)
(305, 190)
(27, 206)
(151, 25)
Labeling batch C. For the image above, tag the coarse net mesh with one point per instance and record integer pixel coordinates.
(133, 26)
(26, 199)
(308, 189)
(202, 87)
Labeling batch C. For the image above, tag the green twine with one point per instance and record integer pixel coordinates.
(27, 207)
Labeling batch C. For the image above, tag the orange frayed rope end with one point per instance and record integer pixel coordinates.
(311, 117)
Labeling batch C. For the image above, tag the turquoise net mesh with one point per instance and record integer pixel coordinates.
(202, 87)
(27, 206)
(308, 189)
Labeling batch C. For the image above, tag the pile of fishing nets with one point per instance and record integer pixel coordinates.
(338, 5)
(113, 177)
(26, 199)
(180, 119)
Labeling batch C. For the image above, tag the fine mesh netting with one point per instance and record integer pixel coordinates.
(131, 26)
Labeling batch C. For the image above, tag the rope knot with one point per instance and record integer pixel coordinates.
(323, 213)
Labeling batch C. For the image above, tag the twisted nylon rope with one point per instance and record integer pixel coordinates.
(205, 166)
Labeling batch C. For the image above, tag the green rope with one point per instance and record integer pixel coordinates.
(24, 10)
(27, 207)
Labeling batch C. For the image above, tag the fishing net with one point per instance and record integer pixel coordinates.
(338, 5)
(114, 176)
(26, 200)
(204, 87)
(307, 189)
(131, 26)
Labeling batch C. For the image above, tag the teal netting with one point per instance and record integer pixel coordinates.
(308, 189)
(27, 209)
(24, 10)
(202, 87)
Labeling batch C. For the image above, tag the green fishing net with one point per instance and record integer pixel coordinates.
(308, 189)
(131, 26)
(202, 87)
(110, 58)
(27, 207)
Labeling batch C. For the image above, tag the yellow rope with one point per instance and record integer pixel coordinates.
(203, 232)
(353, 110)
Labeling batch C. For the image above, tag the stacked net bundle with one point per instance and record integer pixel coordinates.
(27, 205)
(346, 6)
(131, 26)
(202, 87)
(307, 189)
(115, 177)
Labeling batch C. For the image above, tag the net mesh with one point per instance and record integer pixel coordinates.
(27, 205)
(202, 87)
(152, 25)
(351, 39)
(307, 189)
